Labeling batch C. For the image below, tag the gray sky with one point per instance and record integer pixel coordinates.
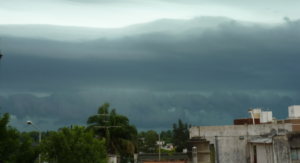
(205, 62)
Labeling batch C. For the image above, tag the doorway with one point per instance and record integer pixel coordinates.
(254, 154)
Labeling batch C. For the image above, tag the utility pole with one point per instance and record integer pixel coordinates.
(158, 147)
(105, 121)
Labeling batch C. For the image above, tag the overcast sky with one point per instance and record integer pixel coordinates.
(205, 62)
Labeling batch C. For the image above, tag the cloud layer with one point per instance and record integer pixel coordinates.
(230, 57)
(196, 72)
(145, 110)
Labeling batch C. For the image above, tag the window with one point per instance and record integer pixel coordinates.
(295, 153)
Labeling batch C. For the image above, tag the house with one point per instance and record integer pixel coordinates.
(269, 141)
(161, 143)
(169, 146)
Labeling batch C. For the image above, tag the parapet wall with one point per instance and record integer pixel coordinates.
(233, 140)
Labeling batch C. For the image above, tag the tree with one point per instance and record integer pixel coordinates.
(25, 152)
(166, 136)
(47, 133)
(142, 134)
(180, 135)
(120, 141)
(151, 139)
(11, 148)
(73, 146)
(34, 135)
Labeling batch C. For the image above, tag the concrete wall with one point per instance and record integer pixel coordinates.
(232, 149)
(203, 150)
(264, 152)
(294, 141)
(282, 152)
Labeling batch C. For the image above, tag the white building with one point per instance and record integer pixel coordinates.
(269, 142)
(161, 143)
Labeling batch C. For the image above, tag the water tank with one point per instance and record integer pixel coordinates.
(194, 153)
(294, 112)
(266, 116)
(184, 151)
(256, 112)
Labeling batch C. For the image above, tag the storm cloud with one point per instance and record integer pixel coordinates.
(229, 57)
(145, 110)
(202, 74)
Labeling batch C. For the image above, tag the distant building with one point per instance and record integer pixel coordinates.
(258, 139)
(160, 142)
(169, 146)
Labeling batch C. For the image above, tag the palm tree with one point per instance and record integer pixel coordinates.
(119, 141)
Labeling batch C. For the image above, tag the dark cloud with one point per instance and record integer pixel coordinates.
(229, 58)
(146, 110)
(42, 122)
(244, 65)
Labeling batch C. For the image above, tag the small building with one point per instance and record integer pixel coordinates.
(160, 142)
(235, 140)
(169, 146)
(258, 139)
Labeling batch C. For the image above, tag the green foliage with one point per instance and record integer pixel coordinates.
(121, 141)
(11, 149)
(142, 134)
(73, 145)
(26, 153)
(150, 145)
(166, 136)
(151, 139)
(165, 151)
(180, 135)
(35, 135)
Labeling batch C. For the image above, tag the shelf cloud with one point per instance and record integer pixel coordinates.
(207, 66)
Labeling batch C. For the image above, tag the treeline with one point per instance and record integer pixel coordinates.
(165, 136)
(106, 133)
(178, 136)
(35, 135)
